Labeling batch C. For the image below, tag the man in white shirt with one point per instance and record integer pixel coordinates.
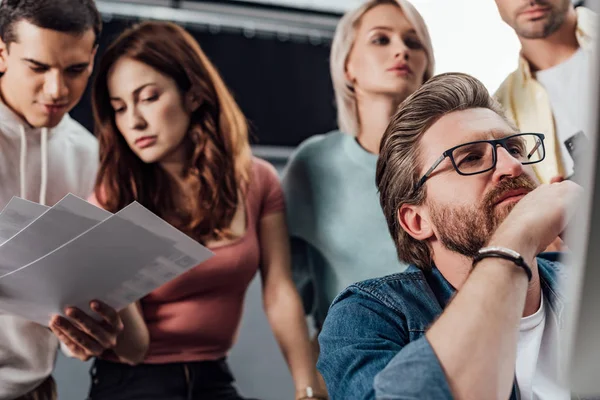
(47, 50)
(548, 93)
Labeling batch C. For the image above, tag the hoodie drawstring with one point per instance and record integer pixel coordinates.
(44, 164)
(22, 162)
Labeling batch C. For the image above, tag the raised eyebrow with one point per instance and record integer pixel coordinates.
(492, 134)
(411, 31)
(381, 28)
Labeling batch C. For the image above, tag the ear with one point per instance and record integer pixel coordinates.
(3, 56)
(415, 221)
(349, 73)
(191, 101)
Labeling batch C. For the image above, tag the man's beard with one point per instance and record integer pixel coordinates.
(551, 24)
(467, 229)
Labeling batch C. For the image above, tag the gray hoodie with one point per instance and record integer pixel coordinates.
(41, 165)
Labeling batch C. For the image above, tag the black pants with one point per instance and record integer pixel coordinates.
(204, 380)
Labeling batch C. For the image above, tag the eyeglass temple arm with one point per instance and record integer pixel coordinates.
(537, 146)
(430, 170)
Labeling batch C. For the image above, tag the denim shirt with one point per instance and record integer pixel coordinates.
(373, 342)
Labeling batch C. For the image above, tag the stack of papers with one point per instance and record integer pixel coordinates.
(74, 252)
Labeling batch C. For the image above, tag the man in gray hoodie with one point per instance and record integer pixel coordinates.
(47, 50)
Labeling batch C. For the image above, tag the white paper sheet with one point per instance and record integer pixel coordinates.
(66, 220)
(118, 261)
(17, 214)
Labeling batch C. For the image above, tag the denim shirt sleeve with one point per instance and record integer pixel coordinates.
(414, 373)
(366, 353)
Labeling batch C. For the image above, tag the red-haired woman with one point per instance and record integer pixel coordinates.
(173, 138)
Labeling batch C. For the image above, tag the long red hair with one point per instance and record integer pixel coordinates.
(218, 158)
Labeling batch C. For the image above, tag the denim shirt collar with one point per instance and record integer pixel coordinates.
(441, 288)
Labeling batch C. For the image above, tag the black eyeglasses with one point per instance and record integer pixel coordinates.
(478, 157)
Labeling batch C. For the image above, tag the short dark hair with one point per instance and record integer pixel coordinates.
(69, 16)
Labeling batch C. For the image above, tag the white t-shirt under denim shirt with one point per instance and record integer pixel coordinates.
(538, 365)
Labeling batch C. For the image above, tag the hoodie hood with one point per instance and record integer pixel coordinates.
(15, 127)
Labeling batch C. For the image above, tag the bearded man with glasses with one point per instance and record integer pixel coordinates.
(478, 314)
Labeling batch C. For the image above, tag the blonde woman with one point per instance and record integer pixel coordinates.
(381, 53)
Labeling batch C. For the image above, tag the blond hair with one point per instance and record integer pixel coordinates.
(345, 35)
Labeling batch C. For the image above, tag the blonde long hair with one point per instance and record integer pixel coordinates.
(345, 35)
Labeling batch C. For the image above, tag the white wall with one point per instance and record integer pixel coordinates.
(469, 36)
